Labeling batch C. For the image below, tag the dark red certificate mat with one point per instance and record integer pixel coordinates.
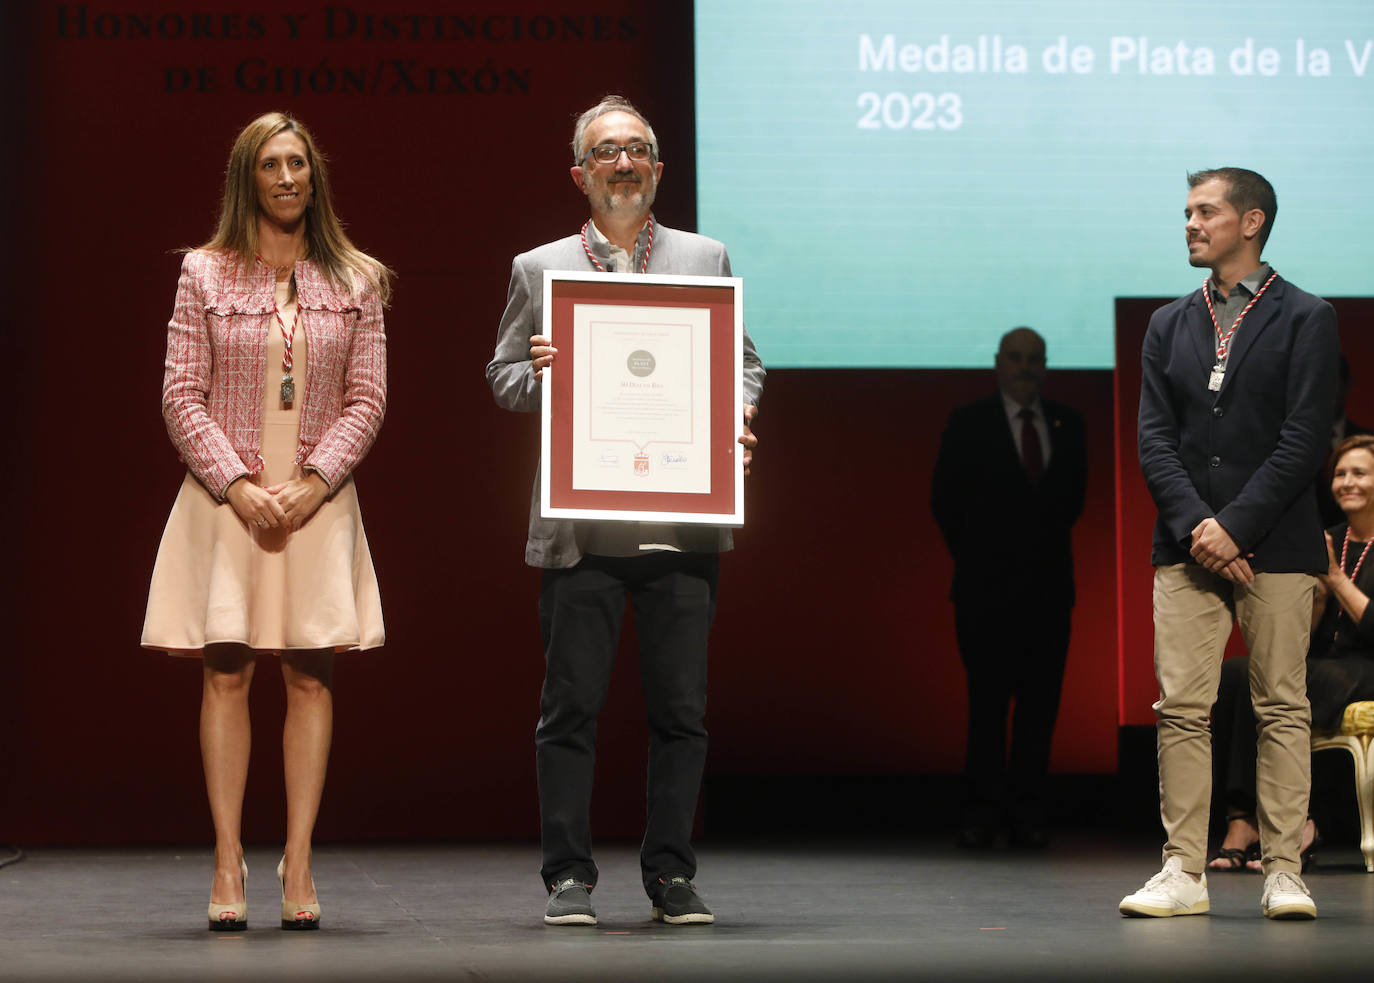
(720, 301)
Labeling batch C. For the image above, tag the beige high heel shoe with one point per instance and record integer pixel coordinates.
(297, 917)
(232, 917)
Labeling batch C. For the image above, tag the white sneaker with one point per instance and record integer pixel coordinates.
(1286, 896)
(1170, 892)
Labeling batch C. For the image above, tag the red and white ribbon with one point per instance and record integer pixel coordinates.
(287, 336)
(1224, 342)
(644, 266)
(1363, 553)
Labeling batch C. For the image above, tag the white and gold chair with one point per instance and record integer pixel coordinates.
(1355, 736)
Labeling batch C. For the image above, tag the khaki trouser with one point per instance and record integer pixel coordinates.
(1193, 610)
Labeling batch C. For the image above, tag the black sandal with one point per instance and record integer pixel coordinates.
(1309, 856)
(1235, 857)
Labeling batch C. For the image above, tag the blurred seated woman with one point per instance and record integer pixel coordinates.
(274, 389)
(1340, 660)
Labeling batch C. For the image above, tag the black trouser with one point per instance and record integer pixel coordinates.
(580, 610)
(1235, 743)
(1009, 653)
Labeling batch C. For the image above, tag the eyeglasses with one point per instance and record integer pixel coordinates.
(609, 153)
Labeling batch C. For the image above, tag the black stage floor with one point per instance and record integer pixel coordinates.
(812, 910)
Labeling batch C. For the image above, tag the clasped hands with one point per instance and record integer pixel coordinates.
(1214, 548)
(542, 355)
(289, 503)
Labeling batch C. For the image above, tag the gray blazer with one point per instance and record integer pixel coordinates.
(552, 543)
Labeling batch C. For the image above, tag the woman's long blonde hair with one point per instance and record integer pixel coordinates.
(326, 243)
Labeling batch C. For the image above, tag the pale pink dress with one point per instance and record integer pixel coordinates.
(218, 579)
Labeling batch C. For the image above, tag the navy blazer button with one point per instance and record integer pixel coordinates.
(1217, 411)
(1215, 461)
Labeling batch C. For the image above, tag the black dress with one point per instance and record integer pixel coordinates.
(1340, 667)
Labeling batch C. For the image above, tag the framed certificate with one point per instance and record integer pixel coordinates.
(643, 408)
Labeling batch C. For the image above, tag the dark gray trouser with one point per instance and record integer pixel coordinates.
(580, 612)
(1014, 655)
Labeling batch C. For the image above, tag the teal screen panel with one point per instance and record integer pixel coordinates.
(901, 182)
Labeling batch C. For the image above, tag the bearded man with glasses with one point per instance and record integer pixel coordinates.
(670, 572)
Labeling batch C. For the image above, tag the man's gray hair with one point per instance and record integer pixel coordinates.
(610, 104)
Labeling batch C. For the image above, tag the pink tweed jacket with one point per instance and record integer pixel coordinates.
(212, 389)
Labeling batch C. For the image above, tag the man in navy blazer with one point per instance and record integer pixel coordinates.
(1235, 410)
(1007, 489)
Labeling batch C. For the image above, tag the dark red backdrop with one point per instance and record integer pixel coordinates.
(833, 651)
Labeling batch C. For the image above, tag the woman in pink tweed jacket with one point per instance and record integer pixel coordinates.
(212, 391)
(274, 390)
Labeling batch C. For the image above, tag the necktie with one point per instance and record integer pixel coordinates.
(1031, 457)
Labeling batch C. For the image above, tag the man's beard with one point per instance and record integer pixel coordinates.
(613, 202)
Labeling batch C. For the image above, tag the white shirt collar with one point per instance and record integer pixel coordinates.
(1014, 408)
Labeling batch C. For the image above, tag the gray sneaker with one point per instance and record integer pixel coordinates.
(676, 902)
(570, 903)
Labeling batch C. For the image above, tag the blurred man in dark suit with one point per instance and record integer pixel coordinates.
(1008, 486)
